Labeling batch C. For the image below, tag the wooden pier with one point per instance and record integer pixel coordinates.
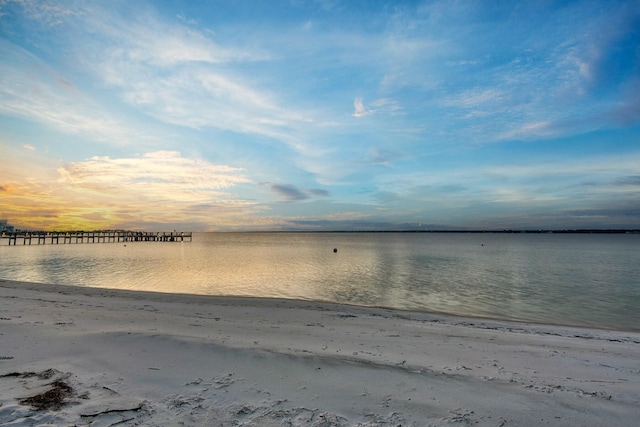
(104, 236)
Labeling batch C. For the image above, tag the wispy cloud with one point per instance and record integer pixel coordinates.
(180, 76)
(39, 95)
(50, 13)
(477, 98)
(165, 69)
(378, 106)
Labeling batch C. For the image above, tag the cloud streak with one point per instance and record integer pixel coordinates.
(291, 193)
(43, 96)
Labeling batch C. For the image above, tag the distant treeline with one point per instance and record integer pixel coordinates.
(630, 231)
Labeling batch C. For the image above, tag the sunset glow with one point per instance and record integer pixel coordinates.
(319, 115)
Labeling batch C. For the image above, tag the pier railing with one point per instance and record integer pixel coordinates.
(103, 236)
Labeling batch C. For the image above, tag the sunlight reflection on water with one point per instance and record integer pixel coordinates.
(589, 280)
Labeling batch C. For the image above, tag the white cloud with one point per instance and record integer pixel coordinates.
(358, 108)
(160, 176)
(378, 106)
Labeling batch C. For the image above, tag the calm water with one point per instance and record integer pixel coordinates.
(585, 279)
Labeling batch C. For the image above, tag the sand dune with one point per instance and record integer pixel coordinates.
(86, 356)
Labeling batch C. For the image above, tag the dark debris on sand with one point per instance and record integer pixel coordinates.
(52, 399)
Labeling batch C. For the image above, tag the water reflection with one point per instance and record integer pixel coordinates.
(573, 279)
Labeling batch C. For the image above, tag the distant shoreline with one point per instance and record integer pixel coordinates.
(477, 231)
(453, 231)
(581, 231)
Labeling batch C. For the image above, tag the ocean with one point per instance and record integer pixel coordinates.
(590, 280)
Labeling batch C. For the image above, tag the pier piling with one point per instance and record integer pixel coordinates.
(100, 236)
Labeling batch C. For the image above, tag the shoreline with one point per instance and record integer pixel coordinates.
(134, 357)
(476, 320)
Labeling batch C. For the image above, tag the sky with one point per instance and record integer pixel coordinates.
(319, 115)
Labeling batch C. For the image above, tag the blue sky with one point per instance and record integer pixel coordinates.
(320, 115)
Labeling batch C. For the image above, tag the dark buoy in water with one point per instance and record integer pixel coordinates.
(335, 250)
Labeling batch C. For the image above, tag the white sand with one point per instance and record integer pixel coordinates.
(156, 359)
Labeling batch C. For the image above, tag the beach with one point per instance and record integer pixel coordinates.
(91, 356)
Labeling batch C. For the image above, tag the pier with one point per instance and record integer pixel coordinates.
(103, 236)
